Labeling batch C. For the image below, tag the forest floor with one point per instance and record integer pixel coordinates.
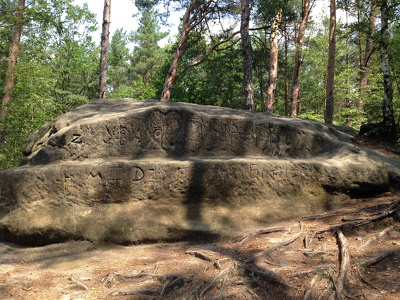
(352, 253)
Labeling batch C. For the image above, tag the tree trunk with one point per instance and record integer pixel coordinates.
(180, 49)
(273, 62)
(286, 35)
(366, 61)
(12, 60)
(389, 124)
(297, 59)
(330, 80)
(105, 35)
(247, 55)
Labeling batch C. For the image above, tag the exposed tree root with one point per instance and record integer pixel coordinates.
(392, 209)
(344, 257)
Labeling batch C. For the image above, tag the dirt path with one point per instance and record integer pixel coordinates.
(274, 263)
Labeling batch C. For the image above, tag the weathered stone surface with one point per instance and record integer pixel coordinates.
(132, 171)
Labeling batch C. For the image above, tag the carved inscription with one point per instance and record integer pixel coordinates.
(176, 133)
(262, 137)
(155, 127)
(130, 140)
(217, 134)
(194, 134)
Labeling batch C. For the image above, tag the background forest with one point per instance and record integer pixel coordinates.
(262, 54)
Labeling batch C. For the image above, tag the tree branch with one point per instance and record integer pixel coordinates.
(207, 54)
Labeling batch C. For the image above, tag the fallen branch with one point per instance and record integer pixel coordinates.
(217, 262)
(374, 260)
(246, 237)
(203, 256)
(273, 248)
(200, 255)
(376, 237)
(344, 255)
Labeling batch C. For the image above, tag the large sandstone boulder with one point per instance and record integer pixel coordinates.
(130, 171)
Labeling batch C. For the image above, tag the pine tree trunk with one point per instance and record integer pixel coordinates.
(180, 49)
(286, 35)
(366, 61)
(273, 62)
(105, 35)
(389, 124)
(247, 55)
(12, 60)
(330, 80)
(297, 59)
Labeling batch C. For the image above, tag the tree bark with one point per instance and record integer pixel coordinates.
(247, 55)
(330, 80)
(180, 49)
(12, 60)
(389, 124)
(366, 61)
(297, 58)
(286, 35)
(273, 62)
(105, 35)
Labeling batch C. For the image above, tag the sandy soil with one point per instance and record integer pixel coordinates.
(353, 253)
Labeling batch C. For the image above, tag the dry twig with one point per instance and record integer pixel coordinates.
(78, 284)
(220, 275)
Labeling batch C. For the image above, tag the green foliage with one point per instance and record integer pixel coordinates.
(147, 55)
(119, 68)
(310, 115)
(57, 70)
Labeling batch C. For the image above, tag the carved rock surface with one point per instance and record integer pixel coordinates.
(128, 171)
